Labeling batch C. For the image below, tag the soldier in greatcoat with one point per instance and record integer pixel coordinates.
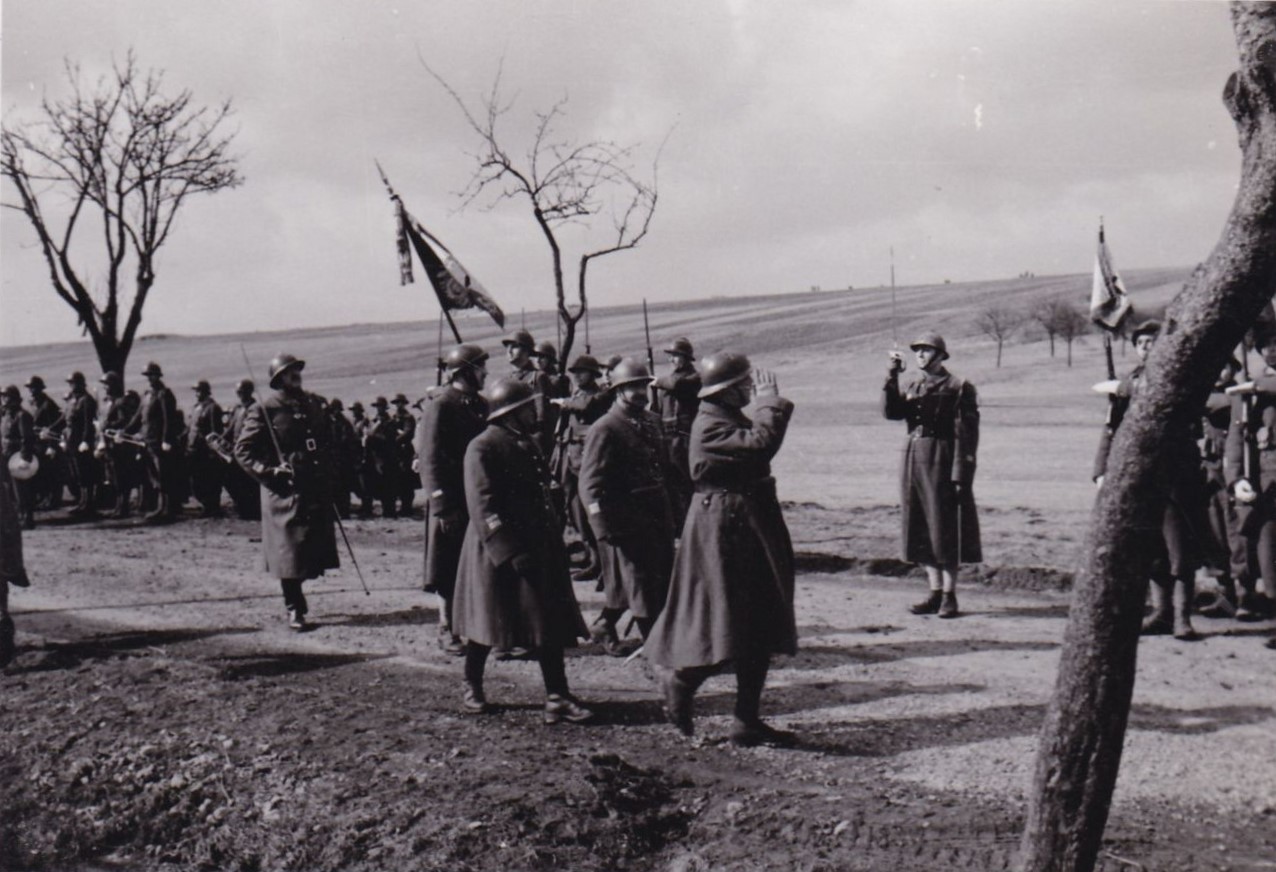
(365, 474)
(295, 469)
(408, 482)
(117, 448)
(624, 486)
(49, 480)
(940, 524)
(17, 438)
(345, 444)
(587, 403)
(244, 490)
(79, 435)
(450, 418)
(1175, 551)
(380, 440)
(676, 401)
(513, 589)
(12, 567)
(519, 350)
(205, 466)
(730, 600)
(161, 425)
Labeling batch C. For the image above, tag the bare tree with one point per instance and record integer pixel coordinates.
(1081, 742)
(563, 182)
(998, 323)
(1046, 314)
(123, 152)
(1070, 322)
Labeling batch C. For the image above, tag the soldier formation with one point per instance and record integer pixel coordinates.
(657, 490)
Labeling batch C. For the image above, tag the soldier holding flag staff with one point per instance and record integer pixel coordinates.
(285, 443)
(940, 526)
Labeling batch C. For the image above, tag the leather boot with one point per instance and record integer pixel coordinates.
(948, 605)
(928, 606)
(7, 647)
(1161, 621)
(1184, 591)
(678, 696)
(473, 700)
(1224, 605)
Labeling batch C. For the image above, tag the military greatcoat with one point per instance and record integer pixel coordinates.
(623, 484)
(511, 520)
(677, 399)
(297, 536)
(942, 413)
(450, 420)
(731, 592)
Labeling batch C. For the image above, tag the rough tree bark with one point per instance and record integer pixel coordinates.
(1081, 741)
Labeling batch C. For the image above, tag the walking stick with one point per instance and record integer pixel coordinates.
(336, 516)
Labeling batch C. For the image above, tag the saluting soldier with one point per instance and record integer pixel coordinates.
(46, 487)
(623, 484)
(940, 524)
(731, 593)
(588, 402)
(78, 439)
(1251, 447)
(117, 446)
(677, 401)
(286, 444)
(1177, 551)
(451, 417)
(204, 464)
(244, 491)
(346, 445)
(17, 437)
(408, 482)
(381, 442)
(519, 349)
(160, 427)
(513, 589)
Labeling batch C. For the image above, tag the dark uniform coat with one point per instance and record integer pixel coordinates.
(161, 424)
(507, 496)
(543, 387)
(677, 399)
(297, 534)
(205, 465)
(1253, 445)
(1178, 547)
(731, 593)
(1227, 551)
(79, 438)
(450, 419)
(623, 486)
(942, 413)
(17, 436)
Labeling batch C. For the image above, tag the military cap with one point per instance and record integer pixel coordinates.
(202, 386)
(586, 363)
(11, 393)
(379, 403)
(546, 350)
(930, 339)
(336, 405)
(721, 370)
(282, 364)
(153, 368)
(356, 406)
(521, 338)
(245, 386)
(399, 400)
(35, 382)
(1150, 327)
(110, 377)
(75, 378)
(464, 355)
(629, 371)
(507, 395)
(681, 345)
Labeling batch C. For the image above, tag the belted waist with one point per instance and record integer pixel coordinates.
(757, 487)
(921, 431)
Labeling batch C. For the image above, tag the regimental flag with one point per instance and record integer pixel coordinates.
(452, 282)
(1109, 303)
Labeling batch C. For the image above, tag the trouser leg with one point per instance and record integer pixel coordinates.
(476, 663)
(750, 678)
(294, 599)
(553, 671)
(8, 648)
(1161, 621)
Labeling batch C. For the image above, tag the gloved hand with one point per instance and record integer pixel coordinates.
(897, 362)
(165, 447)
(524, 565)
(279, 480)
(451, 523)
(1244, 491)
(416, 465)
(84, 448)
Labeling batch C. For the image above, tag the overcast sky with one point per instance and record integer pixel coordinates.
(978, 138)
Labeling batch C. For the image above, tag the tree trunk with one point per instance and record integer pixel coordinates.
(1081, 740)
(1069, 354)
(998, 354)
(1051, 345)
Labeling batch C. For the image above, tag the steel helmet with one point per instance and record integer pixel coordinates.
(521, 338)
(245, 386)
(546, 350)
(507, 395)
(336, 405)
(23, 470)
(1150, 327)
(464, 355)
(281, 364)
(681, 345)
(586, 363)
(930, 339)
(721, 370)
(111, 377)
(76, 378)
(629, 371)
(202, 386)
(380, 403)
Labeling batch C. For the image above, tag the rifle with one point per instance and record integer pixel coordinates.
(651, 357)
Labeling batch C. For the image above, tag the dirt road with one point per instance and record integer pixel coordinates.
(160, 715)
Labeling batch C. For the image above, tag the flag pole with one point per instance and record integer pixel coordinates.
(587, 348)
(894, 322)
(438, 376)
